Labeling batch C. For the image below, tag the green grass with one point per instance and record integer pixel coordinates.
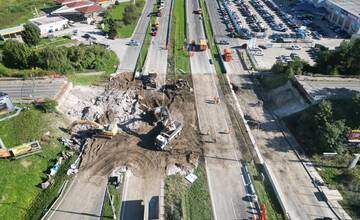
(15, 12)
(58, 41)
(178, 38)
(192, 203)
(272, 81)
(116, 193)
(84, 80)
(266, 195)
(125, 31)
(20, 178)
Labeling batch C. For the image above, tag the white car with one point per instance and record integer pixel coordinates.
(257, 49)
(258, 53)
(295, 47)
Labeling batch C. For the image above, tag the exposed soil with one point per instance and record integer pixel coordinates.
(135, 147)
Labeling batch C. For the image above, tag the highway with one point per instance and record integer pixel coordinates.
(222, 156)
(200, 60)
(301, 196)
(156, 60)
(128, 64)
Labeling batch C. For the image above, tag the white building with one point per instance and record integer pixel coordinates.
(5, 103)
(48, 25)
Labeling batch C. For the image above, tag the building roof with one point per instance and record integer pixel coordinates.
(90, 9)
(12, 30)
(352, 6)
(66, 1)
(47, 20)
(78, 4)
(99, 1)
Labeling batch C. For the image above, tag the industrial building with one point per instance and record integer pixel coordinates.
(6, 104)
(48, 25)
(345, 14)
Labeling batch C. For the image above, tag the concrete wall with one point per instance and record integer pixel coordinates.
(5, 100)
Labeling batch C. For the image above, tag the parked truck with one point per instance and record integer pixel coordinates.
(202, 45)
(171, 128)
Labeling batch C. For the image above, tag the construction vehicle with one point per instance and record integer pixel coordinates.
(98, 130)
(149, 80)
(228, 55)
(171, 128)
(22, 150)
(203, 44)
(198, 11)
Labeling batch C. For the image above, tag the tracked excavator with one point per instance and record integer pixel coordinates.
(100, 131)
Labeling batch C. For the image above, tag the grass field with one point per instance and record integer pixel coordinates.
(20, 179)
(125, 31)
(15, 12)
(178, 38)
(188, 202)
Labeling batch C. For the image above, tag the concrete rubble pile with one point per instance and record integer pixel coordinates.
(113, 104)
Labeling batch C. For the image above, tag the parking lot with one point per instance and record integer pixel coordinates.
(271, 55)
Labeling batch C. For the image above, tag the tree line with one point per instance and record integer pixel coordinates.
(324, 128)
(60, 59)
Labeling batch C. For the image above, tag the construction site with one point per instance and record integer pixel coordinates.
(126, 125)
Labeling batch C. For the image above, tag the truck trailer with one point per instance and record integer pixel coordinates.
(168, 134)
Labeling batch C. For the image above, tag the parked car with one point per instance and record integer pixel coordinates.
(295, 47)
(133, 43)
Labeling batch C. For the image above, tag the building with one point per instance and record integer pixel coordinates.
(13, 32)
(6, 104)
(79, 10)
(48, 25)
(345, 14)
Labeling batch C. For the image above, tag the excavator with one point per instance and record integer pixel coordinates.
(100, 131)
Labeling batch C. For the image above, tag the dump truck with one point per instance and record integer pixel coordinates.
(168, 134)
(171, 128)
(202, 45)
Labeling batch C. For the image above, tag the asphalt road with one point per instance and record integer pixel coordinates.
(128, 64)
(300, 194)
(156, 60)
(32, 89)
(199, 60)
(222, 156)
(83, 200)
(138, 197)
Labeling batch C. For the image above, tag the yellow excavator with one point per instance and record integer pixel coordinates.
(107, 131)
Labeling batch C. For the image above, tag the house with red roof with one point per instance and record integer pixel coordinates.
(81, 9)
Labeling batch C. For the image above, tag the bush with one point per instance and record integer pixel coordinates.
(49, 105)
(59, 59)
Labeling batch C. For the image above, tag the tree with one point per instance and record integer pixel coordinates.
(324, 114)
(30, 35)
(112, 29)
(16, 55)
(56, 59)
